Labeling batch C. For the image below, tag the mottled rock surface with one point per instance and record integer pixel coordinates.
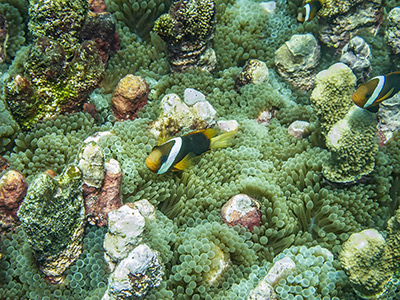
(299, 129)
(135, 275)
(254, 71)
(130, 95)
(392, 33)
(177, 115)
(125, 228)
(241, 210)
(357, 55)
(13, 189)
(342, 27)
(368, 261)
(99, 202)
(388, 118)
(53, 218)
(296, 60)
(265, 288)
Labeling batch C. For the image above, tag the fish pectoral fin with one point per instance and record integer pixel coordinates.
(185, 163)
(373, 109)
(387, 95)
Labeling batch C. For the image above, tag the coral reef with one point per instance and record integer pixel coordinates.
(347, 23)
(53, 217)
(331, 97)
(188, 29)
(59, 20)
(254, 71)
(357, 55)
(314, 183)
(297, 59)
(100, 27)
(129, 97)
(13, 189)
(372, 261)
(350, 132)
(50, 85)
(392, 33)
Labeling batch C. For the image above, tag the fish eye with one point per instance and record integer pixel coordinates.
(163, 159)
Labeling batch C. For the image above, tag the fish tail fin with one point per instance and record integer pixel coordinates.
(222, 140)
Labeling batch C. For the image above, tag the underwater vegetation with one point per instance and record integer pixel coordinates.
(191, 149)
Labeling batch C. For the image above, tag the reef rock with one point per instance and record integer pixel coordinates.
(265, 288)
(188, 30)
(125, 228)
(135, 275)
(346, 23)
(53, 218)
(296, 60)
(130, 95)
(91, 163)
(268, 7)
(100, 27)
(50, 84)
(266, 116)
(349, 131)
(299, 129)
(254, 71)
(243, 210)
(357, 55)
(228, 125)
(176, 115)
(392, 33)
(13, 189)
(58, 20)
(389, 118)
(192, 96)
(99, 202)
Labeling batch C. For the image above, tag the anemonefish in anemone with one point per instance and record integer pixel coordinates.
(310, 10)
(177, 153)
(371, 93)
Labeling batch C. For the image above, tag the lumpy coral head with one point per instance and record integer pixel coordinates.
(187, 20)
(187, 29)
(60, 20)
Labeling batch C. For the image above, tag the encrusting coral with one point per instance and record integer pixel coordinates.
(349, 131)
(187, 29)
(53, 216)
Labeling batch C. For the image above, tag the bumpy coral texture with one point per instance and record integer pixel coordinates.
(60, 20)
(21, 279)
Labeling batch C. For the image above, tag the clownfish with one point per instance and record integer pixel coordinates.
(177, 153)
(310, 10)
(371, 93)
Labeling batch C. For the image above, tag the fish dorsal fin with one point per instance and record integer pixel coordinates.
(209, 132)
(163, 139)
(185, 163)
